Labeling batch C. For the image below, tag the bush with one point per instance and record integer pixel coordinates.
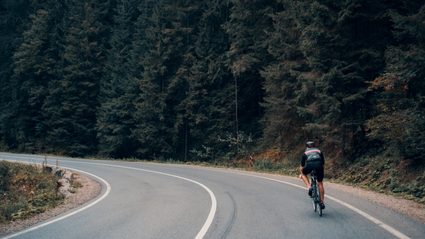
(26, 190)
(9, 209)
(267, 165)
(4, 176)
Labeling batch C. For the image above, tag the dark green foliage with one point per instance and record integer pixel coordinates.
(281, 118)
(317, 84)
(246, 57)
(400, 89)
(150, 129)
(118, 89)
(13, 17)
(203, 83)
(72, 101)
(192, 79)
(33, 69)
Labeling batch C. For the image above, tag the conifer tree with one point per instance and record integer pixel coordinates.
(183, 32)
(150, 129)
(345, 43)
(71, 105)
(281, 119)
(399, 122)
(247, 24)
(34, 67)
(118, 89)
(319, 82)
(13, 18)
(207, 106)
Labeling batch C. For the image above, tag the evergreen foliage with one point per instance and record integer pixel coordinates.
(34, 68)
(13, 19)
(190, 79)
(72, 101)
(209, 102)
(399, 120)
(118, 88)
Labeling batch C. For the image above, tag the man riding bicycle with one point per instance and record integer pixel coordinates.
(313, 159)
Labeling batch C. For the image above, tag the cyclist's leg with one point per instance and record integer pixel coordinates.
(322, 191)
(304, 176)
(320, 176)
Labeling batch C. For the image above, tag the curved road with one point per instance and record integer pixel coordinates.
(145, 200)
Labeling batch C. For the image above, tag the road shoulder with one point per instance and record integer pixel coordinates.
(409, 208)
(90, 189)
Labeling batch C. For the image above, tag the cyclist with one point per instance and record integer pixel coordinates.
(313, 159)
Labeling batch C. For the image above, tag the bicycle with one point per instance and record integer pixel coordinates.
(315, 195)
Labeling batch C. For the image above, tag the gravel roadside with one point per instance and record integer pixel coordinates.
(409, 208)
(89, 190)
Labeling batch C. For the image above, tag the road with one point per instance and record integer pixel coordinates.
(146, 200)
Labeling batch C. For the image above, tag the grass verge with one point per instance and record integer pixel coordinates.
(384, 173)
(26, 190)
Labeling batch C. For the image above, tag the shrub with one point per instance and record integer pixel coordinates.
(4, 176)
(267, 165)
(25, 190)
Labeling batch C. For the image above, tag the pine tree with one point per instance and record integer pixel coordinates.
(317, 87)
(247, 24)
(118, 89)
(399, 122)
(317, 104)
(281, 119)
(354, 34)
(71, 105)
(13, 18)
(183, 32)
(34, 68)
(207, 108)
(150, 130)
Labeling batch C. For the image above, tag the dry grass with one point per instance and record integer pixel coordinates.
(382, 173)
(26, 190)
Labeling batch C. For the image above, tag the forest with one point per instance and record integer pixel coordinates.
(217, 80)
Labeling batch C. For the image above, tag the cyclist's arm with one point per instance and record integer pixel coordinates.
(323, 158)
(303, 159)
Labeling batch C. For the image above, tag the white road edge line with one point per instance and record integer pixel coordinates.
(386, 227)
(200, 234)
(213, 209)
(108, 190)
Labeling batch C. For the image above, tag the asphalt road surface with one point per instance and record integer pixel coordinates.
(145, 200)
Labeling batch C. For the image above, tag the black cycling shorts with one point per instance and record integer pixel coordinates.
(320, 172)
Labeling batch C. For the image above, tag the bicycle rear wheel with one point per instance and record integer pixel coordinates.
(318, 201)
(314, 197)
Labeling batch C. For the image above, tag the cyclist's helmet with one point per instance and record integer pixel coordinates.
(310, 144)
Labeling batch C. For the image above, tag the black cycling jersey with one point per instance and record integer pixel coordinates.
(312, 155)
(313, 159)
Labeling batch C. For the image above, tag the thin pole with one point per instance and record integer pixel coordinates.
(236, 115)
(185, 139)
